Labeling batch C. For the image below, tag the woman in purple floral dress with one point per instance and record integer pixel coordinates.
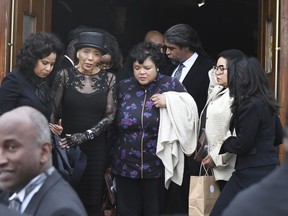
(139, 172)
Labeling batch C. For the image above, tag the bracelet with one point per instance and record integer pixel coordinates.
(89, 134)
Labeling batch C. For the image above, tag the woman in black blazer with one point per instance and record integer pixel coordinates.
(29, 82)
(257, 126)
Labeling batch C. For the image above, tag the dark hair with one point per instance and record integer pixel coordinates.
(145, 50)
(113, 49)
(183, 35)
(246, 78)
(231, 54)
(37, 46)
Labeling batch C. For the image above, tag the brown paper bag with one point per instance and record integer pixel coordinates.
(203, 194)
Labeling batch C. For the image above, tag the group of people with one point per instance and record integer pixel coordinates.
(141, 117)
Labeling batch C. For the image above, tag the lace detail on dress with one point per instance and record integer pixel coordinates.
(87, 84)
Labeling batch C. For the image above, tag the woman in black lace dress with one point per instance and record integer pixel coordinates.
(86, 95)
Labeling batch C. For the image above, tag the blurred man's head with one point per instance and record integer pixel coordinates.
(25, 147)
(156, 38)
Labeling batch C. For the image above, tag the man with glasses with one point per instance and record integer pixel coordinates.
(184, 49)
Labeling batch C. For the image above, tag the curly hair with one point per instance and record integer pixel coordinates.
(37, 46)
(145, 50)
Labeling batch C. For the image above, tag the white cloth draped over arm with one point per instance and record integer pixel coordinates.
(177, 134)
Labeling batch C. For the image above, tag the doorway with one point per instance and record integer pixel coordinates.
(221, 24)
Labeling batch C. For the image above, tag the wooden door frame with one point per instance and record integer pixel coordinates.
(5, 24)
(283, 65)
(11, 27)
(275, 13)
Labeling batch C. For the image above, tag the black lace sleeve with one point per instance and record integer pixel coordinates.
(58, 91)
(110, 108)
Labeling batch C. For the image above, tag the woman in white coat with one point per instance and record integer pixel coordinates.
(215, 118)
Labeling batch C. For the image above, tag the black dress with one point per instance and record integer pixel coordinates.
(88, 101)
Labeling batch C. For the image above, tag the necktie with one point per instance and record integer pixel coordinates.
(179, 71)
(15, 204)
(39, 181)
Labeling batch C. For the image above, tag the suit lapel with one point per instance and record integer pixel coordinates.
(193, 70)
(37, 198)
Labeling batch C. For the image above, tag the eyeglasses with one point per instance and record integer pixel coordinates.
(104, 65)
(219, 69)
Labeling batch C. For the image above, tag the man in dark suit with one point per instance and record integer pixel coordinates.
(26, 171)
(183, 47)
(268, 197)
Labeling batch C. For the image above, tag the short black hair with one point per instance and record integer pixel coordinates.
(145, 50)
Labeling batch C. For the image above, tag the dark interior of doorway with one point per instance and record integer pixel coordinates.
(221, 24)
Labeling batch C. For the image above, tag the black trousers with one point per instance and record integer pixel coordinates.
(139, 197)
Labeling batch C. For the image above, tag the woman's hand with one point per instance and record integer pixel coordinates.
(56, 128)
(208, 162)
(63, 143)
(159, 100)
(71, 140)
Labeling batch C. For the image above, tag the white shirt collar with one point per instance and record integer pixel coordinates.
(187, 66)
(21, 194)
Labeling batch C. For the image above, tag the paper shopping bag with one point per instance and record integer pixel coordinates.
(203, 194)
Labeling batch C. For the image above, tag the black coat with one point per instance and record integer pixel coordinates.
(257, 133)
(269, 197)
(18, 90)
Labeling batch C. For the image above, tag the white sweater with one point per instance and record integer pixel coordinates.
(218, 118)
(177, 134)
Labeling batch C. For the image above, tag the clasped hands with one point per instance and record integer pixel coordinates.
(69, 140)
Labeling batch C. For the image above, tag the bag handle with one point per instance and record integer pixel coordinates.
(205, 169)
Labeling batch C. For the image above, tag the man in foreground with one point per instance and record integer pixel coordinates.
(26, 170)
